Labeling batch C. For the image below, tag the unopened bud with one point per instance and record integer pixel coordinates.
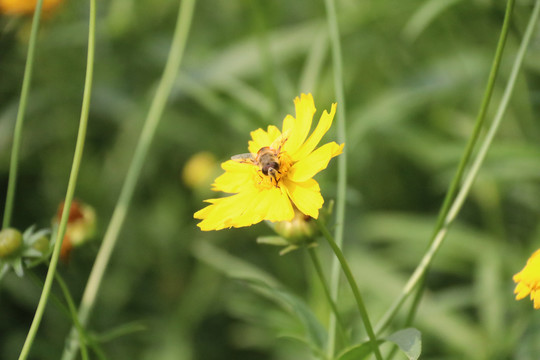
(10, 242)
(299, 230)
(41, 244)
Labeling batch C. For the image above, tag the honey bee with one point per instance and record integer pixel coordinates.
(266, 159)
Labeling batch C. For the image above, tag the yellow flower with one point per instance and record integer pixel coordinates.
(276, 176)
(21, 7)
(199, 169)
(528, 280)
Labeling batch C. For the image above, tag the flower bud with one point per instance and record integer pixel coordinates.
(299, 230)
(80, 226)
(41, 244)
(10, 242)
(81, 222)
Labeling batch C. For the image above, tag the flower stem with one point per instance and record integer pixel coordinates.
(471, 175)
(354, 287)
(480, 120)
(337, 63)
(185, 15)
(79, 147)
(318, 269)
(73, 312)
(27, 77)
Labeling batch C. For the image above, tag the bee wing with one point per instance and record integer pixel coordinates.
(247, 157)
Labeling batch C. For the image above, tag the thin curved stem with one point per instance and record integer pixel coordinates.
(473, 139)
(73, 312)
(480, 120)
(17, 135)
(354, 287)
(337, 63)
(70, 311)
(185, 15)
(77, 158)
(471, 175)
(318, 269)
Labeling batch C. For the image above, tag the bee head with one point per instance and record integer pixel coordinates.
(270, 168)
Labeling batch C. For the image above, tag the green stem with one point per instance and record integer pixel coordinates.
(185, 15)
(73, 312)
(318, 269)
(79, 147)
(13, 166)
(337, 62)
(70, 311)
(354, 287)
(480, 120)
(410, 316)
(471, 175)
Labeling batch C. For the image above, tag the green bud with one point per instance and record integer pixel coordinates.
(10, 242)
(301, 229)
(41, 244)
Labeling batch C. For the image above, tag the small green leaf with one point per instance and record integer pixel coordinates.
(288, 249)
(358, 351)
(119, 331)
(409, 341)
(272, 240)
(316, 350)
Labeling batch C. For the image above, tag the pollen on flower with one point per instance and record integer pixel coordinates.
(275, 178)
(528, 280)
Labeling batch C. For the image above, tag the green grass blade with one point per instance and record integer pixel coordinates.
(185, 15)
(79, 147)
(337, 63)
(13, 166)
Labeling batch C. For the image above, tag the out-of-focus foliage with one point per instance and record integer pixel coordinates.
(414, 74)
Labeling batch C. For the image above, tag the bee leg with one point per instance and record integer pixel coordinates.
(261, 175)
(273, 173)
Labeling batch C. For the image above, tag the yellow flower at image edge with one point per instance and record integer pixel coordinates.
(528, 280)
(276, 176)
(20, 7)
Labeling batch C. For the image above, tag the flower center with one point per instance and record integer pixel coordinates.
(270, 170)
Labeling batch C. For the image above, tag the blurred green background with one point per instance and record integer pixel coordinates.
(414, 76)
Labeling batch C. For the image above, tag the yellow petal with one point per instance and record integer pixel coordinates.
(246, 208)
(219, 214)
(313, 163)
(261, 138)
(536, 297)
(521, 291)
(236, 177)
(281, 209)
(322, 127)
(268, 204)
(299, 127)
(306, 196)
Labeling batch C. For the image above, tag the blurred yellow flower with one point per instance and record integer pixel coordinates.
(199, 169)
(528, 280)
(276, 176)
(22, 7)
